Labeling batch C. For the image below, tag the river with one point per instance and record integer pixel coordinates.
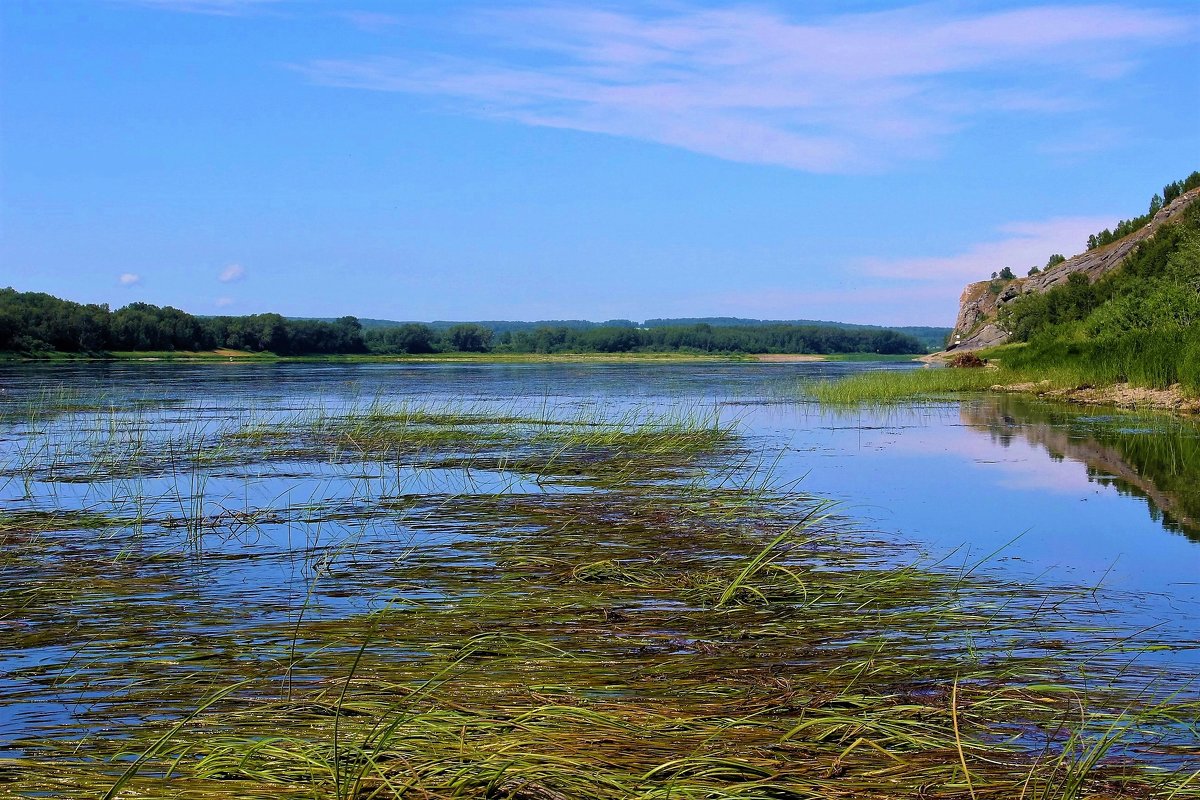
(1052, 494)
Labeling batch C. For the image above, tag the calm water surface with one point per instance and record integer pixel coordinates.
(1049, 493)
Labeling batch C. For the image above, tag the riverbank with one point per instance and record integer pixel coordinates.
(1122, 395)
(1067, 382)
(237, 356)
(941, 382)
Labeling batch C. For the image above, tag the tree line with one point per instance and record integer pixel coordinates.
(34, 323)
(1109, 235)
(1157, 202)
(705, 338)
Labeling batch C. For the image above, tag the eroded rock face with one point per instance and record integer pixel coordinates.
(977, 308)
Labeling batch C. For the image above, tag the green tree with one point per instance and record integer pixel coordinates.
(469, 338)
(408, 338)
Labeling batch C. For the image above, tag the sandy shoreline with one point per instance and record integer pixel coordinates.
(1121, 395)
(787, 358)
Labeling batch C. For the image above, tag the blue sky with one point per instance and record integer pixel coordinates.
(527, 160)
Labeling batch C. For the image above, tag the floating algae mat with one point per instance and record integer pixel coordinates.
(430, 600)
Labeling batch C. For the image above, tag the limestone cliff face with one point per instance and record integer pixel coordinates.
(977, 308)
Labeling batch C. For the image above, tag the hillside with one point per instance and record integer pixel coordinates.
(981, 308)
(1125, 315)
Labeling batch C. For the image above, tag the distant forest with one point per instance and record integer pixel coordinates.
(33, 324)
(930, 337)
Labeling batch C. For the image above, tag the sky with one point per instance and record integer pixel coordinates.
(440, 159)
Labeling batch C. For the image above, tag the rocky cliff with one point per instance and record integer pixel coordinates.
(980, 302)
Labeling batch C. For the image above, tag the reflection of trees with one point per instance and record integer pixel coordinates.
(1156, 458)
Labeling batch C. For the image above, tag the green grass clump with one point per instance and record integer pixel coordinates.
(1153, 358)
(1145, 359)
(889, 386)
(586, 444)
(29, 522)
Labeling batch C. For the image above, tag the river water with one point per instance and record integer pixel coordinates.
(1048, 493)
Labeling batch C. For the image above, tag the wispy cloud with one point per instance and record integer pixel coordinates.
(223, 302)
(1084, 141)
(219, 7)
(129, 279)
(371, 21)
(840, 93)
(1019, 246)
(232, 273)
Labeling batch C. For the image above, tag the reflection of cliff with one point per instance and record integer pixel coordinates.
(1157, 459)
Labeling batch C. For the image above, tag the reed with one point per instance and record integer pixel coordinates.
(891, 386)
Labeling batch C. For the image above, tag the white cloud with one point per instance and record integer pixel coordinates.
(129, 279)
(841, 93)
(232, 273)
(223, 302)
(1020, 246)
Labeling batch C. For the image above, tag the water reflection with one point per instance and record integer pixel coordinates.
(1155, 457)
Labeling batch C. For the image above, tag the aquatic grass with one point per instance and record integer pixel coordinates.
(31, 522)
(586, 446)
(677, 626)
(768, 557)
(893, 386)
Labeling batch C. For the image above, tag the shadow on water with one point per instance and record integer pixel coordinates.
(1155, 457)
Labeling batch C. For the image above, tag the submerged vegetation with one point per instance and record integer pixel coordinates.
(395, 600)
